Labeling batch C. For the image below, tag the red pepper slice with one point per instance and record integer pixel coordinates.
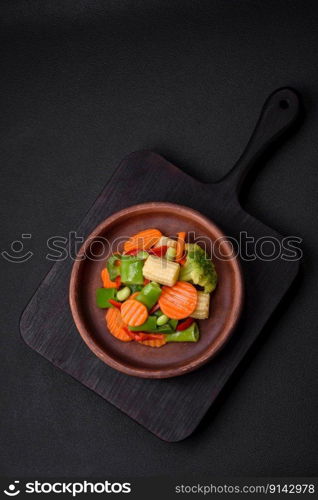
(182, 261)
(159, 251)
(154, 309)
(130, 333)
(133, 251)
(118, 281)
(146, 281)
(139, 336)
(184, 325)
(115, 303)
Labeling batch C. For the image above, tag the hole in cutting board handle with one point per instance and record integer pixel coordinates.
(284, 104)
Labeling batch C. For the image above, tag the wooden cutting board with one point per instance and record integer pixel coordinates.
(170, 408)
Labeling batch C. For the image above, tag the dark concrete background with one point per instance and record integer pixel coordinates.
(81, 85)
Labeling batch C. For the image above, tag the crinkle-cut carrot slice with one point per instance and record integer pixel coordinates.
(178, 301)
(116, 326)
(133, 313)
(154, 342)
(143, 240)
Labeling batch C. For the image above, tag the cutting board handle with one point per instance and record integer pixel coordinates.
(279, 113)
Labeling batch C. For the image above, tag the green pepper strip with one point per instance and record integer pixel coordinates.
(167, 328)
(191, 334)
(135, 288)
(150, 294)
(103, 295)
(131, 270)
(173, 323)
(150, 325)
(112, 269)
(158, 313)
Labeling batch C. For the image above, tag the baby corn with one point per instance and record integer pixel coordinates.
(202, 308)
(161, 271)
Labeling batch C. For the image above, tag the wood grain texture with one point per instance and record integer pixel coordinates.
(170, 408)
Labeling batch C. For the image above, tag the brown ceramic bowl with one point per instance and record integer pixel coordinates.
(133, 358)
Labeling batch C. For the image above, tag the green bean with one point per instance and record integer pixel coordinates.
(191, 334)
(162, 320)
(171, 253)
(123, 294)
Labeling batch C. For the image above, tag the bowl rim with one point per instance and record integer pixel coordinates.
(211, 350)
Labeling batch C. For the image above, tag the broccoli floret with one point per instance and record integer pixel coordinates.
(199, 268)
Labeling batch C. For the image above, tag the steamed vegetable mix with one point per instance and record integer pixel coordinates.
(156, 289)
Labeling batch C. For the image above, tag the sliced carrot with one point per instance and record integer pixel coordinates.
(154, 343)
(107, 282)
(134, 295)
(116, 326)
(180, 245)
(178, 301)
(143, 240)
(133, 313)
